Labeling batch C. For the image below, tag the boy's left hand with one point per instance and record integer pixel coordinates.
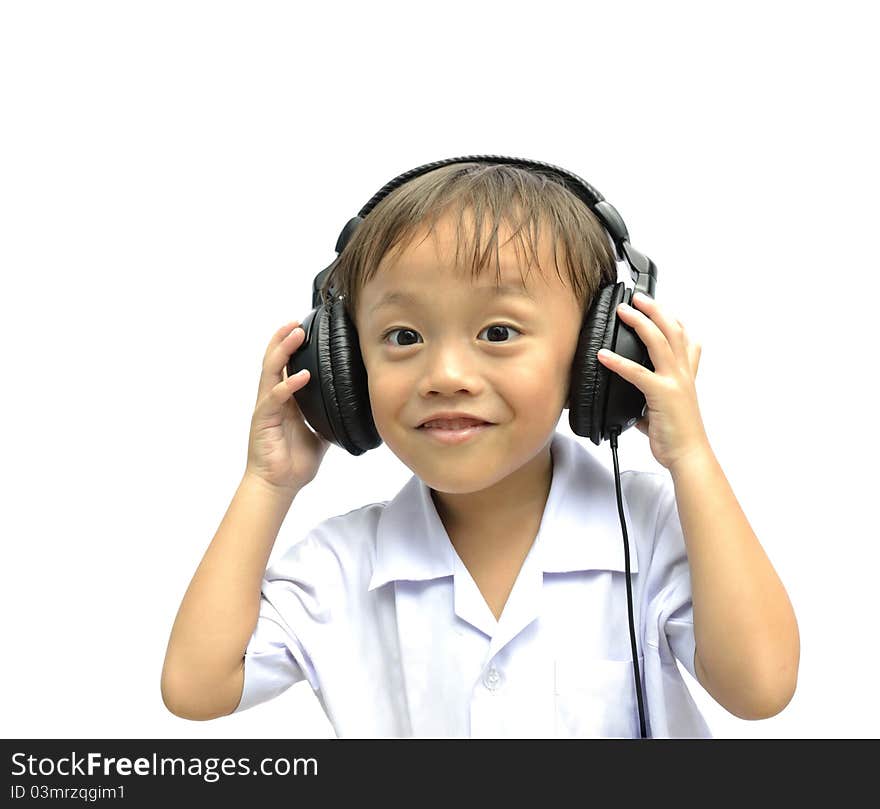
(672, 421)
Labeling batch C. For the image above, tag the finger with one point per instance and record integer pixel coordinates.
(662, 355)
(276, 396)
(284, 342)
(279, 337)
(695, 351)
(282, 392)
(632, 372)
(671, 327)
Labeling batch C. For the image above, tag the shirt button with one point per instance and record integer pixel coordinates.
(493, 678)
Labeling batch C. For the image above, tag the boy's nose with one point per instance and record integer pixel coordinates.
(450, 375)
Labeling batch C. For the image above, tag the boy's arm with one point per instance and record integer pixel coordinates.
(203, 674)
(747, 640)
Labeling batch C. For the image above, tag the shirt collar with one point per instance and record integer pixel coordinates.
(580, 528)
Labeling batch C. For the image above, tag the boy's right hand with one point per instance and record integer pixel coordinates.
(282, 450)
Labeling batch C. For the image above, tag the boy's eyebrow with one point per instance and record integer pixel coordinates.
(406, 298)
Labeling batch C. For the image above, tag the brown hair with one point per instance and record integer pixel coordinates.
(498, 190)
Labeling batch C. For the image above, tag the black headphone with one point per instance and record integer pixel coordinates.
(602, 404)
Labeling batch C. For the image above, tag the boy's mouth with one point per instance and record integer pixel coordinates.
(460, 423)
(455, 431)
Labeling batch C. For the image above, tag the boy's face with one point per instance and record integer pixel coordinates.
(448, 350)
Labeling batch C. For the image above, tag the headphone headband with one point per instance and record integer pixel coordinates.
(643, 270)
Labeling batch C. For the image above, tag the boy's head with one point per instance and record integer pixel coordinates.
(454, 345)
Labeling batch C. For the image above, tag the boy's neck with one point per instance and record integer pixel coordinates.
(512, 507)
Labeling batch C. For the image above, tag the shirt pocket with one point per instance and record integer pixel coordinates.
(596, 697)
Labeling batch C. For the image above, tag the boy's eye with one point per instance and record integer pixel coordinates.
(495, 331)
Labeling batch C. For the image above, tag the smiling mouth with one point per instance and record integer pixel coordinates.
(453, 425)
(455, 436)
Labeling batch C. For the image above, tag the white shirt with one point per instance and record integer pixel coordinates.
(377, 611)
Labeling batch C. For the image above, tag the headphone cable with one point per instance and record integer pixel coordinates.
(615, 431)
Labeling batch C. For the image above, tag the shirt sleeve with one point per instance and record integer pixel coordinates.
(670, 599)
(294, 598)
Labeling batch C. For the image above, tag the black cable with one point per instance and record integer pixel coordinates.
(615, 431)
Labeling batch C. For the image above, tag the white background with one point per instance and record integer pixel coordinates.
(173, 175)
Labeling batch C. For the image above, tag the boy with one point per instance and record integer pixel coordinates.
(485, 599)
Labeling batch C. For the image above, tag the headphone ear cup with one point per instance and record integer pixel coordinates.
(602, 399)
(344, 380)
(590, 380)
